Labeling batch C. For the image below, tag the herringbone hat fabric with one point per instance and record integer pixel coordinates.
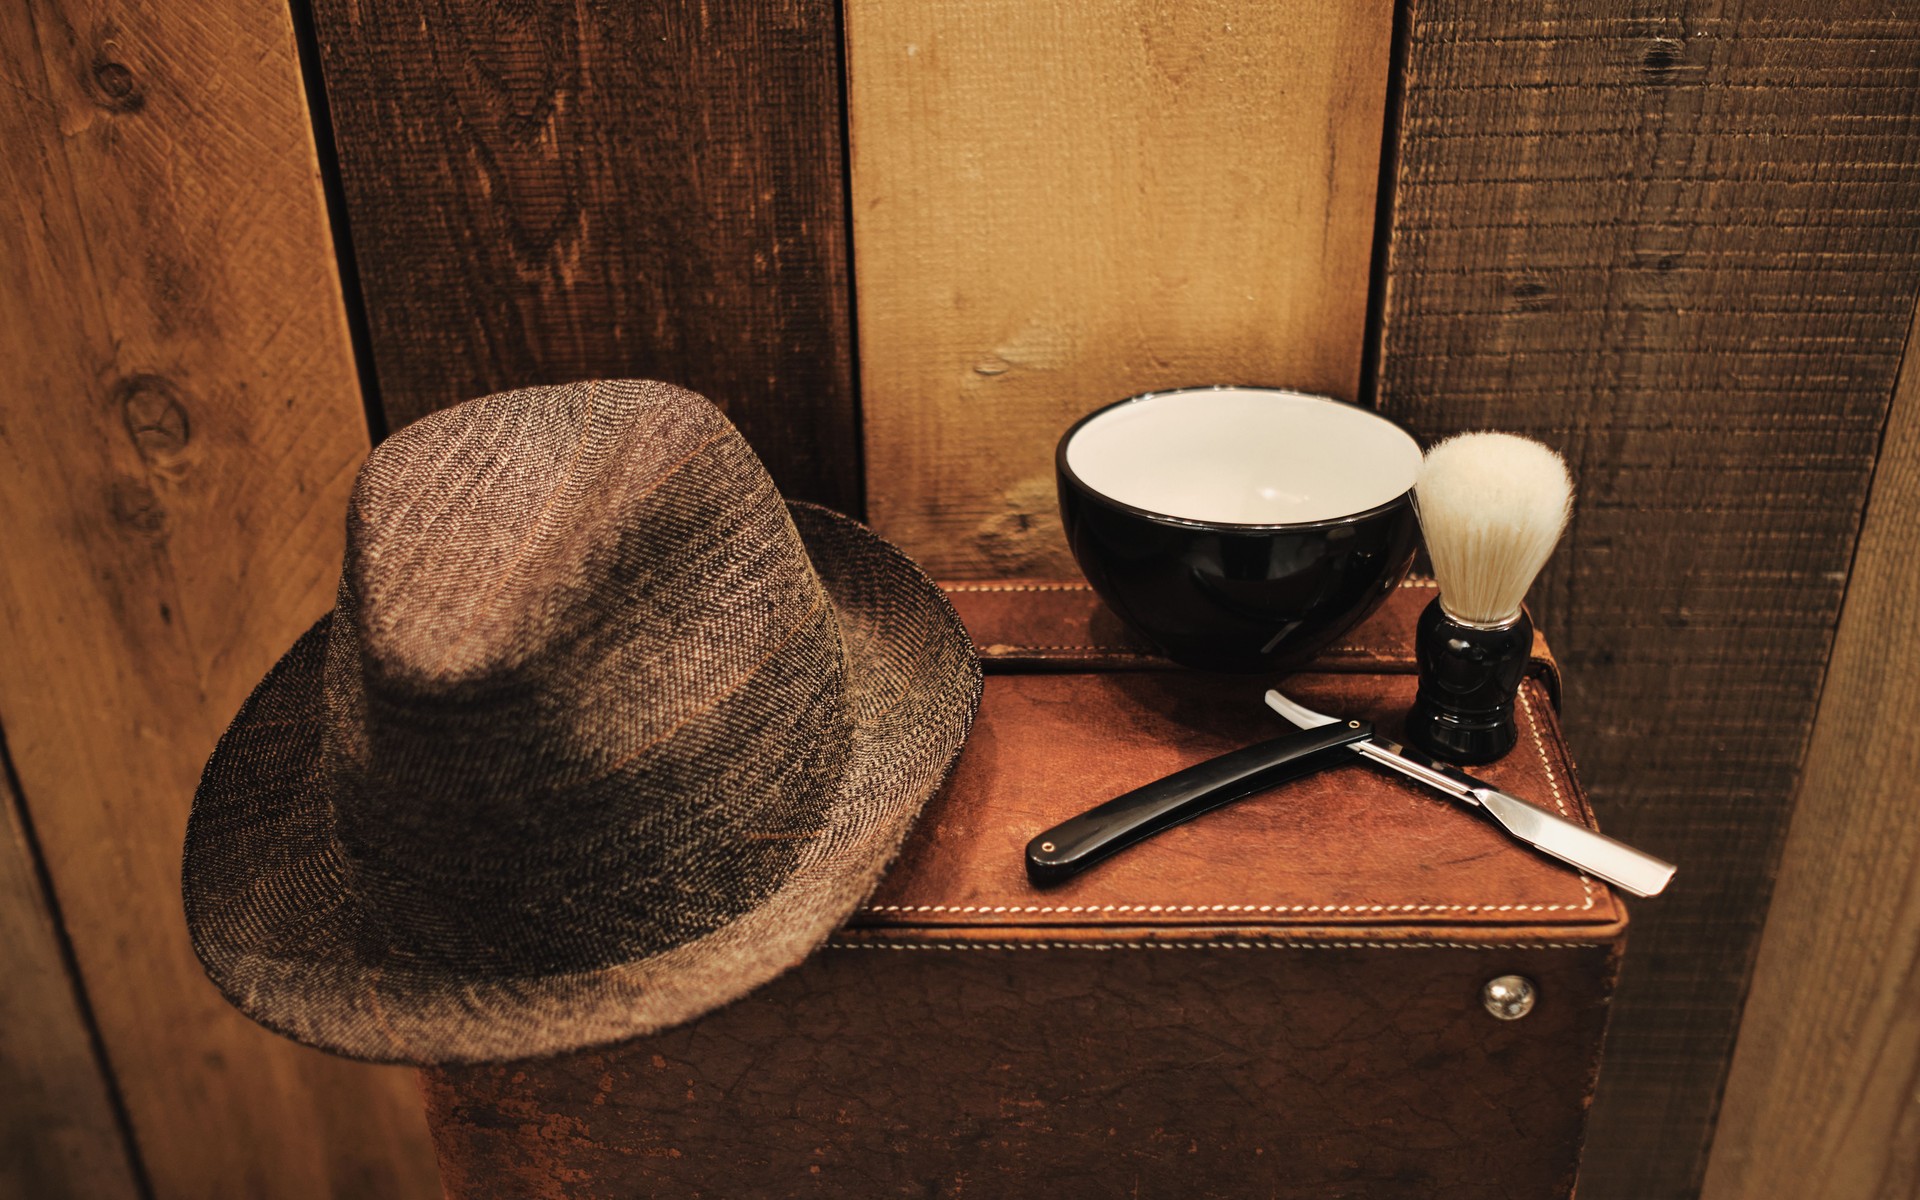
(600, 735)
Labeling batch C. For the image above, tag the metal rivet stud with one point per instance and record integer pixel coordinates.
(1046, 847)
(1353, 724)
(1509, 997)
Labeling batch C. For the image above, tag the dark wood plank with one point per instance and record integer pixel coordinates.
(546, 192)
(1680, 241)
(1821, 1098)
(178, 434)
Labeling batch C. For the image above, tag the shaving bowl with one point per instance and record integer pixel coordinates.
(1239, 528)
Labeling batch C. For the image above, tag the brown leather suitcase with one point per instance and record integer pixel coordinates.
(1281, 998)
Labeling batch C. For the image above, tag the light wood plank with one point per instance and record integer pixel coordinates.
(1823, 1102)
(176, 441)
(1059, 205)
(1680, 241)
(58, 1135)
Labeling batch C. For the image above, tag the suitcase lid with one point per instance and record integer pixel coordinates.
(1076, 712)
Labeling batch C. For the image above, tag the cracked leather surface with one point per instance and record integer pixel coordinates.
(1362, 1073)
(1280, 998)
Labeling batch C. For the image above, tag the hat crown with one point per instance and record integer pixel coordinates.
(588, 693)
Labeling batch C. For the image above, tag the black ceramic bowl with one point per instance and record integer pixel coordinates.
(1239, 528)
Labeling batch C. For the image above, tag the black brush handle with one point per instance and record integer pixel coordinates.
(1469, 675)
(1074, 845)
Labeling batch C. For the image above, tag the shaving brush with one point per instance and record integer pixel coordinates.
(1492, 507)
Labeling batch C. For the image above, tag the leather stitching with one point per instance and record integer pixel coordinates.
(1017, 587)
(1117, 651)
(1003, 650)
(1421, 582)
(1259, 945)
(1220, 908)
(1017, 650)
(1553, 783)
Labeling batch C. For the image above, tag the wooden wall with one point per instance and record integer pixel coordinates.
(1677, 240)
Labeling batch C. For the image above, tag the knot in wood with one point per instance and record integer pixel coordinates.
(1662, 57)
(113, 86)
(1531, 295)
(155, 418)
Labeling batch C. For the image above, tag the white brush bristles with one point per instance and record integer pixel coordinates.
(1492, 506)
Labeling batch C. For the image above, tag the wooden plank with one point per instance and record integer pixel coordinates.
(1679, 241)
(58, 1134)
(1056, 206)
(176, 442)
(547, 192)
(1823, 1101)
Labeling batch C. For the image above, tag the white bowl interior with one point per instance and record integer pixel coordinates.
(1244, 456)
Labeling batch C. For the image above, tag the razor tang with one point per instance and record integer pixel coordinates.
(1633, 871)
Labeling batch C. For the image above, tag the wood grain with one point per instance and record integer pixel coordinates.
(1056, 206)
(58, 1135)
(1823, 1101)
(546, 192)
(1681, 243)
(176, 441)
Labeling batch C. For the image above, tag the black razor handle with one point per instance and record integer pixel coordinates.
(1469, 675)
(1074, 845)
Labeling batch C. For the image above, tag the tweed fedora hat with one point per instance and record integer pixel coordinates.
(600, 735)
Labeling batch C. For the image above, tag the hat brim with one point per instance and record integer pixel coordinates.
(281, 933)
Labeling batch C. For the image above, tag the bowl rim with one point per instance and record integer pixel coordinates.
(1067, 472)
